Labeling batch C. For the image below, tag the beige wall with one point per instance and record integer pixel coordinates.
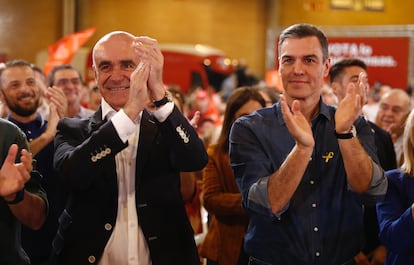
(28, 26)
(294, 11)
(237, 27)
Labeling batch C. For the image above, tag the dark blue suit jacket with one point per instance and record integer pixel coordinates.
(164, 149)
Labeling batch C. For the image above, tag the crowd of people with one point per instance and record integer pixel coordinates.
(119, 171)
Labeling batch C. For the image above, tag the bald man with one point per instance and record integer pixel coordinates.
(121, 166)
(394, 107)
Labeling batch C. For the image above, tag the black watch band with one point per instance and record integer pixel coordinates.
(161, 102)
(344, 135)
(348, 135)
(19, 197)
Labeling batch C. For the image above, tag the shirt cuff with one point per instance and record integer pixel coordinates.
(379, 182)
(124, 126)
(162, 113)
(259, 200)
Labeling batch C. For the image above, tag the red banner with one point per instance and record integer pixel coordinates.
(64, 49)
(387, 58)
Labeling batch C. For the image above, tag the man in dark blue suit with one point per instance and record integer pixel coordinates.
(121, 166)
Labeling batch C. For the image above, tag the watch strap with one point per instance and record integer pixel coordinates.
(19, 197)
(161, 102)
(348, 135)
(344, 135)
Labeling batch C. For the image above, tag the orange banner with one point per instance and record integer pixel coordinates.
(64, 49)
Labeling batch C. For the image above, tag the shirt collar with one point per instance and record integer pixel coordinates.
(39, 121)
(107, 110)
(324, 110)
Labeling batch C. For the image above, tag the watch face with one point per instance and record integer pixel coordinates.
(354, 131)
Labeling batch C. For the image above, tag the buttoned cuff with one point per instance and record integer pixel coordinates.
(162, 113)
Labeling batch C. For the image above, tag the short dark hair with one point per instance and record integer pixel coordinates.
(337, 70)
(14, 63)
(52, 73)
(299, 31)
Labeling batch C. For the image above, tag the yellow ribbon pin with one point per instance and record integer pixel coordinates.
(328, 156)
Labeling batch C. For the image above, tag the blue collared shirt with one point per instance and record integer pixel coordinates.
(323, 222)
(38, 243)
(395, 219)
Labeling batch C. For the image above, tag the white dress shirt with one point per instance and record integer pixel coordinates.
(127, 243)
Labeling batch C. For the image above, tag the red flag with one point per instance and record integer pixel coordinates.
(64, 49)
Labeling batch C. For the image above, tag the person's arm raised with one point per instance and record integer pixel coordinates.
(349, 109)
(284, 182)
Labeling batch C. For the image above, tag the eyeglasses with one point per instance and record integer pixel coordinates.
(66, 81)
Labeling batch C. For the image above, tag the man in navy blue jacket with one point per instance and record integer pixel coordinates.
(122, 166)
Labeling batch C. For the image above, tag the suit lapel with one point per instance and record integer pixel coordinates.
(96, 120)
(148, 132)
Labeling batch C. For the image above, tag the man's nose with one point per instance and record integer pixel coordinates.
(117, 73)
(298, 67)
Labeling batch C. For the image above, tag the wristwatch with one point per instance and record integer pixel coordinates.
(348, 135)
(161, 102)
(19, 197)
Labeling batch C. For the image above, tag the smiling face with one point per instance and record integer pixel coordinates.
(394, 108)
(114, 61)
(71, 84)
(302, 68)
(20, 91)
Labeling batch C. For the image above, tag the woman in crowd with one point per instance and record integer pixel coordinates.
(396, 212)
(221, 197)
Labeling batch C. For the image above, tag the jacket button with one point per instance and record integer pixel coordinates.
(91, 259)
(107, 151)
(108, 226)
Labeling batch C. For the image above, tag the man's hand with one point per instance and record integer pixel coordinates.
(148, 51)
(56, 96)
(297, 124)
(350, 107)
(138, 91)
(361, 259)
(13, 176)
(53, 120)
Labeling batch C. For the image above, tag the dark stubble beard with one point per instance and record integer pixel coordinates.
(21, 111)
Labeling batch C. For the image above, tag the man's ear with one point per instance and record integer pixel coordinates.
(334, 86)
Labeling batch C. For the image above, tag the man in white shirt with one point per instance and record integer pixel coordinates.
(122, 166)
